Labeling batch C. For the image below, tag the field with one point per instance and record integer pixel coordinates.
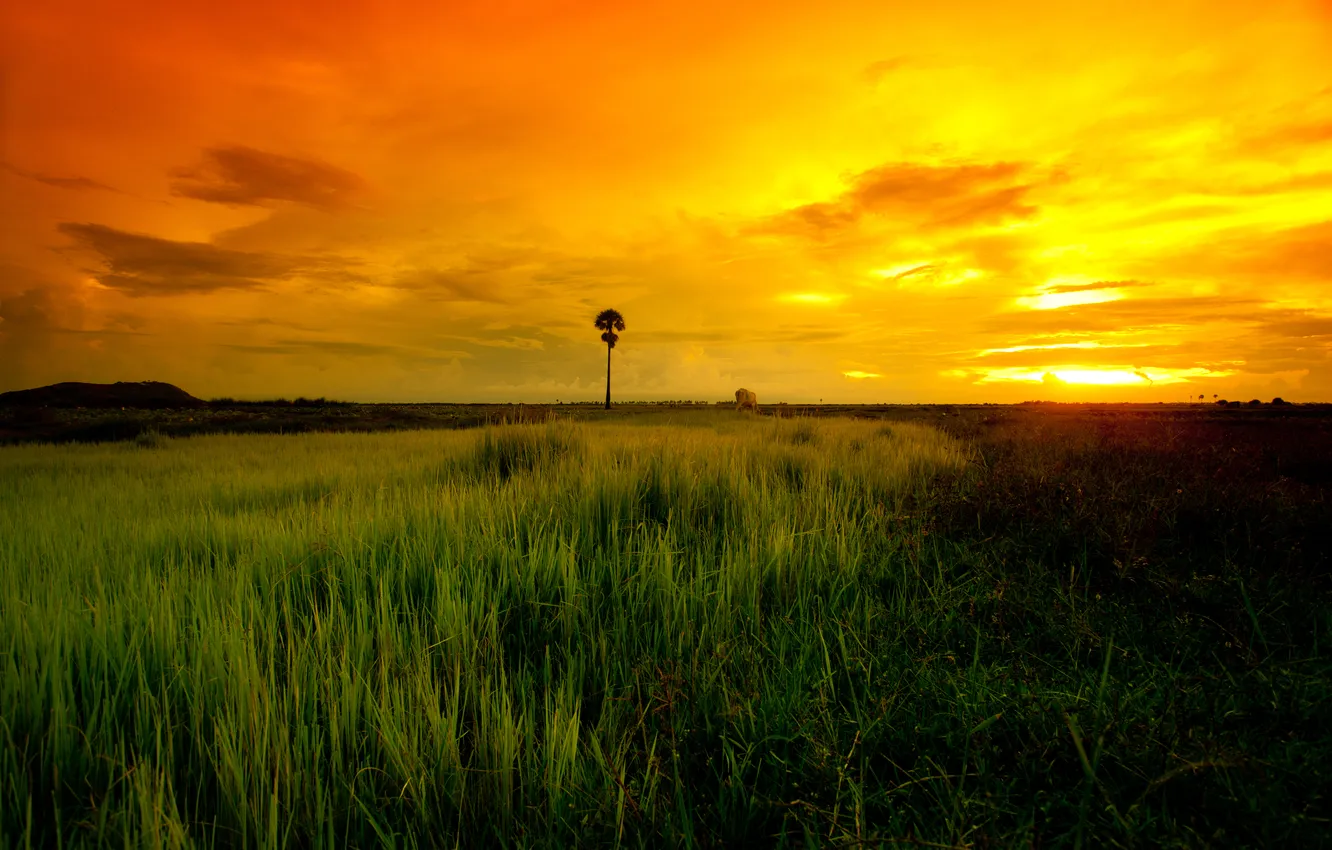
(986, 627)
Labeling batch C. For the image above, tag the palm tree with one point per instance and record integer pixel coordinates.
(609, 321)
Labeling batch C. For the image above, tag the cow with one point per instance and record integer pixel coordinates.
(746, 398)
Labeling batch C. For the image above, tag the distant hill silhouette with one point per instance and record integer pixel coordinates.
(141, 394)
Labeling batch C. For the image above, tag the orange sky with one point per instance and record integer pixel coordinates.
(854, 201)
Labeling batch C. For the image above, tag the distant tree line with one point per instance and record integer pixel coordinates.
(280, 402)
(1253, 402)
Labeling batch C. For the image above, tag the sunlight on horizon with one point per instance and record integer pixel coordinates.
(1059, 300)
(1083, 345)
(813, 298)
(1106, 376)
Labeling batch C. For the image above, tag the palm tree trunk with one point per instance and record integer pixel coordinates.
(608, 351)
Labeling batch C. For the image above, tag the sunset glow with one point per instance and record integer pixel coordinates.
(1102, 377)
(418, 201)
(813, 298)
(1056, 300)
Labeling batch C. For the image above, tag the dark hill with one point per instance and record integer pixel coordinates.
(143, 394)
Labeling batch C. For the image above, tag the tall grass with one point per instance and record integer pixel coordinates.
(684, 629)
(534, 632)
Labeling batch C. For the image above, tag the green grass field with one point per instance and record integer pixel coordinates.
(696, 629)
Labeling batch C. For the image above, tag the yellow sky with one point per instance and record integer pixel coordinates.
(853, 201)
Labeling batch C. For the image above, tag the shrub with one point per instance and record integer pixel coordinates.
(150, 438)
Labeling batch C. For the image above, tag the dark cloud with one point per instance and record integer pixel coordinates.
(1186, 212)
(1303, 252)
(46, 334)
(244, 176)
(779, 334)
(83, 184)
(28, 310)
(1314, 181)
(507, 275)
(141, 265)
(924, 196)
(301, 346)
(483, 276)
(33, 304)
(1168, 356)
(601, 271)
(1100, 284)
(1180, 310)
(414, 357)
(519, 337)
(1002, 253)
(1298, 251)
(1128, 314)
(814, 220)
(462, 285)
(876, 71)
(1297, 135)
(1301, 328)
(926, 270)
(264, 320)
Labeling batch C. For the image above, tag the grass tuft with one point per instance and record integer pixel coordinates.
(512, 449)
(149, 438)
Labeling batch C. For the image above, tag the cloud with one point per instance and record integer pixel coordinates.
(1301, 328)
(1315, 181)
(34, 304)
(1298, 251)
(244, 176)
(300, 346)
(1273, 256)
(463, 285)
(1050, 379)
(1192, 212)
(1298, 135)
(878, 70)
(482, 275)
(1092, 355)
(925, 196)
(1095, 285)
(773, 334)
(78, 184)
(522, 343)
(48, 331)
(141, 265)
(29, 310)
(381, 356)
(926, 269)
(1128, 313)
(875, 72)
(996, 252)
(507, 274)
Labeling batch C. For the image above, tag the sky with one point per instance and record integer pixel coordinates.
(397, 200)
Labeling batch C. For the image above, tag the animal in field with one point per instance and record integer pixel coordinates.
(746, 399)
